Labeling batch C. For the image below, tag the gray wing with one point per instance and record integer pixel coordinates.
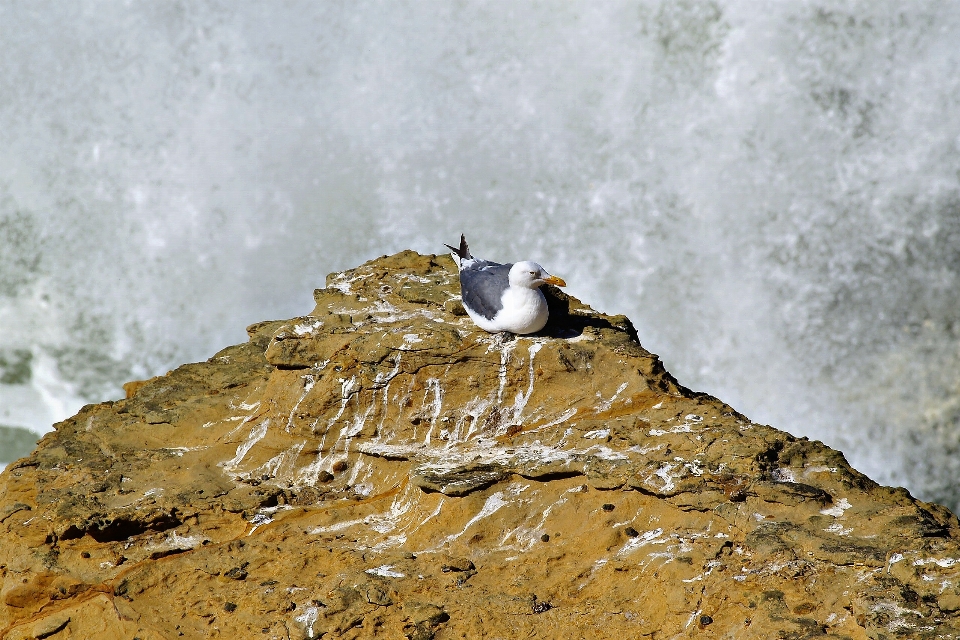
(482, 287)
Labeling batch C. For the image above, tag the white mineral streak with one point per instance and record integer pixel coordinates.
(898, 614)
(694, 467)
(308, 385)
(353, 427)
(384, 379)
(411, 276)
(645, 538)
(520, 402)
(207, 425)
(363, 489)
(683, 428)
(473, 410)
(838, 529)
(443, 459)
(340, 526)
(597, 565)
(308, 618)
(563, 417)
(416, 520)
(395, 451)
(527, 536)
(837, 510)
(386, 522)
(385, 571)
(665, 476)
(149, 493)
(175, 541)
(819, 469)
(940, 562)
(433, 384)
(343, 284)
(179, 451)
(693, 616)
(310, 473)
(467, 421)
(893, 559)
(383, 312)
(410, 339)
(305, 328)
(380, 433)
(648, 449)
(406, 507)
(244, 419)
(281, 466)
(493, 504)
(256, 435)
(258, 520)
(604, 405)
(597, 433)
(677, 545)
(505, 350)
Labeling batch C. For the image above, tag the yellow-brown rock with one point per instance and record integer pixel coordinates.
(382, 468)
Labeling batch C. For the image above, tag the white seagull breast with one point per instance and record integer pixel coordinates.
(524, 311)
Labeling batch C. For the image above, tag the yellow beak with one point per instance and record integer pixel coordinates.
(554, 280)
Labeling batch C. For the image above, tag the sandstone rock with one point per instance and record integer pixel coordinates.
(381, 468)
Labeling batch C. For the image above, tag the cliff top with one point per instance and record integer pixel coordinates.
(382, 468)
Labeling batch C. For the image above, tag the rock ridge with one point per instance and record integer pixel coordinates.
(382, 468)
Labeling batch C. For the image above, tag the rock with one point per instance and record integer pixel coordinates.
(449, 563)
(381, 468)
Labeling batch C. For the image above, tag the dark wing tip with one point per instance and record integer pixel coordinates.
(464, 251)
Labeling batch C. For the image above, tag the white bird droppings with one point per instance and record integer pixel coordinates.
(386, 571)
(837, 510)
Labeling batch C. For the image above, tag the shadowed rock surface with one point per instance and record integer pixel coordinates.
(382, 468)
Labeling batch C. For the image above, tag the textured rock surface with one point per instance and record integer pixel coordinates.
(380, 468)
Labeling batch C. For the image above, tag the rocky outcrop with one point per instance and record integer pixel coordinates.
(381, 468)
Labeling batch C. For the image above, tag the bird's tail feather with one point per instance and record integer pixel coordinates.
(464, 251)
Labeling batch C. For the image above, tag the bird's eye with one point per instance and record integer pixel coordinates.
(533, 273)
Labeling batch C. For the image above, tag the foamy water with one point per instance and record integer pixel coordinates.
(770, 191)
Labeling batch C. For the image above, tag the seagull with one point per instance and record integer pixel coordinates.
(503, 297)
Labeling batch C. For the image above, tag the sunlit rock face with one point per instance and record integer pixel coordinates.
(380, 467)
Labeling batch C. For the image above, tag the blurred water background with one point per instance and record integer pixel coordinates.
(769, 190)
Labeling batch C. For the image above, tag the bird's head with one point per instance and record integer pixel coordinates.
(531, 275)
